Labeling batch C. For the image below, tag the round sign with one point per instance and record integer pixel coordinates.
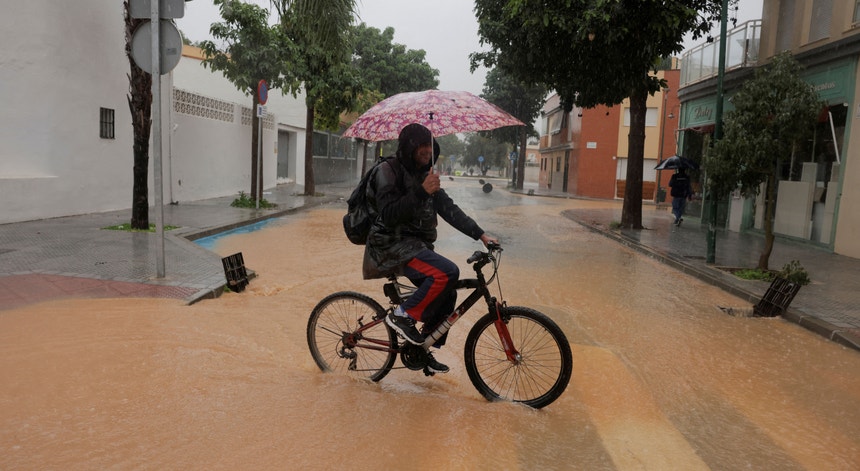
(480, 158)
(171, 46)
(262, 92)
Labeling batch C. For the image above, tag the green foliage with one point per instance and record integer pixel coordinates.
(495, 152)
(593, 52)
(451, 144)
(754, 274)
(321, 61)
(794, 272)
(254, 50)
(773, 112)
(245, 201)
(387, 67)
(590, 51)
(517, 98)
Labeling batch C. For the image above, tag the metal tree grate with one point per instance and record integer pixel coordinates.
(777, 298)
(234, 270)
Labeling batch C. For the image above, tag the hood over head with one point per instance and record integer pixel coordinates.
(412, 137)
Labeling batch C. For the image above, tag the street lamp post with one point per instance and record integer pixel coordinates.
(657, 196)
(718, 134)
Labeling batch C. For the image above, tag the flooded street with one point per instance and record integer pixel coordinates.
(662, 379)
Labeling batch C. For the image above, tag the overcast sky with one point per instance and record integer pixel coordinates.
(446, 29)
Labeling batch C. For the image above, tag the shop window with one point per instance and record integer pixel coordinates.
(821, 149)
(856, 11)
(107, 123)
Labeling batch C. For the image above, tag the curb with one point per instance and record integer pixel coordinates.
(821, 327)
(215, 291)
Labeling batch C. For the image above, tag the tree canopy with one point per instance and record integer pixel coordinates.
(521, 100)
(773, 113)
(321, 63)
(388, 67)
(593, 52)
(253, 50)
(495, 152)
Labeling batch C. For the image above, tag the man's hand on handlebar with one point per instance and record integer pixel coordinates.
(489, 240)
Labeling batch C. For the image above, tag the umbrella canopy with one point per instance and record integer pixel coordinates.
(442, 112)
(676, 162)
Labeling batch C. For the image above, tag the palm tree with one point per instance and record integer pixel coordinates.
(140, 106)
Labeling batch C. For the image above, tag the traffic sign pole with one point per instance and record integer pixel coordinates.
(155, 24)
(262, 97)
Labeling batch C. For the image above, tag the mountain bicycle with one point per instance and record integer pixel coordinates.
(511, 353)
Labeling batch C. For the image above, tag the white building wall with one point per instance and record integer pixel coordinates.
(230, 150)
(58, 66)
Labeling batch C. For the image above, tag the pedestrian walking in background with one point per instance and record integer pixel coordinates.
(681, 192)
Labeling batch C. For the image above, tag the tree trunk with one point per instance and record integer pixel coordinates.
(769, 208)
(140, 105)
(631, 212)
(310, 190)
(256, 192)
(521, 159)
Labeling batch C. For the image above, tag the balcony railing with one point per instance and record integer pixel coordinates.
(742, 49)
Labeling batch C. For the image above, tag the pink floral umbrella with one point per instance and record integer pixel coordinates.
(442, 112)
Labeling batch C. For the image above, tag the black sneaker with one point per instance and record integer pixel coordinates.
(435, 366)
(405, 326)
(680, 221)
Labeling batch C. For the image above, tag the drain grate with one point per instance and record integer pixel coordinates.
(234, 270)
(777, 298)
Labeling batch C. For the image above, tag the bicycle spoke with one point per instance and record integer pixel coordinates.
(337, 319)
(539, 376)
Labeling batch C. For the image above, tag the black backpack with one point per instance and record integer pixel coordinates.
(357, 220)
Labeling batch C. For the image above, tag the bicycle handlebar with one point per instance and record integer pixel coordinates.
(481, 255)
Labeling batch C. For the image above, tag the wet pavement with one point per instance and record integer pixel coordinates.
(74, 257)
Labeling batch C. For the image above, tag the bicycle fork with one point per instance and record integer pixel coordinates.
(511, 352)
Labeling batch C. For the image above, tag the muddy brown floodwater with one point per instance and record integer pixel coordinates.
(661, 380)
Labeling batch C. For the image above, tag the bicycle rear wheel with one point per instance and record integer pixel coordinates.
(543, 371)
(339, 343)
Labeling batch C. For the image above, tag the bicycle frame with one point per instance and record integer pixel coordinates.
(479, 291)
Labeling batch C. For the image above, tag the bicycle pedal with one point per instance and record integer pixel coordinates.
(427, 372)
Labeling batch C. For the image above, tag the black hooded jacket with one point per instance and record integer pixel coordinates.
(406, 215)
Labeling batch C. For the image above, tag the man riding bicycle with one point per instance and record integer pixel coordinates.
(404, 199)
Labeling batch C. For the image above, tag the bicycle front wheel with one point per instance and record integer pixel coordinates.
(347, 335)
(537, 377)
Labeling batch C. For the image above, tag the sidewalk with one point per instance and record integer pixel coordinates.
(74, 257)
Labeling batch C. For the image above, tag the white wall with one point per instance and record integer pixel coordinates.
(210, 158)
(58, 66)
